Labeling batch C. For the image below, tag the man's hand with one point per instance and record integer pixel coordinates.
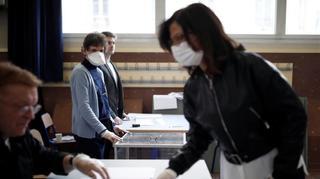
(117, 120)
(120, 132)
(124, 115)
(110, 136)
(167, 174)
(89, 166)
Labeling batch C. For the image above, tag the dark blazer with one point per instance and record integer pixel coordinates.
(115, 92)
(28, 157)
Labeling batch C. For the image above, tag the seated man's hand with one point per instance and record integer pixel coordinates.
(167, 174)
(120, 132)
(89, 166)
(110, 136)
(117, 120)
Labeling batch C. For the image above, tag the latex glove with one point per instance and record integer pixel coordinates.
(167, 174)
(124, 115)
(120, 132)
(89, 166)
(117, 120)
(110, 136)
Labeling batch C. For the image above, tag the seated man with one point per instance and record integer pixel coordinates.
(22, 156)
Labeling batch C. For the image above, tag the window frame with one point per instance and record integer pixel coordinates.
(149, 42)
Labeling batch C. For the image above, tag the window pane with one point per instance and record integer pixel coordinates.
(237, 17)
(303, 17)
(118, 16)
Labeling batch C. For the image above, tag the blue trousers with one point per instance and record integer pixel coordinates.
(93, 147)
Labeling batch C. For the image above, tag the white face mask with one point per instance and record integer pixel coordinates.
(185, 55)
(96, 58)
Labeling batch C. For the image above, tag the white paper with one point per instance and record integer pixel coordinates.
(140, 115)
(131, 172)
(164, 102)
(65, 138)
(161, 121)
(114, 173)
(178, 95)
(144, 122)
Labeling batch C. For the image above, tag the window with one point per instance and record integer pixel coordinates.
(138, 20)
(303, 17)
(119, 16)
(237, 17)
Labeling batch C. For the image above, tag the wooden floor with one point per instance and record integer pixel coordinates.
(312, 175)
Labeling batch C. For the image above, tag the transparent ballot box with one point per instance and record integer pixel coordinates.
(149, 145)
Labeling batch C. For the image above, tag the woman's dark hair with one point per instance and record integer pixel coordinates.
(201, 21)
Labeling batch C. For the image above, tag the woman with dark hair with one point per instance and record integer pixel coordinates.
(235, 97)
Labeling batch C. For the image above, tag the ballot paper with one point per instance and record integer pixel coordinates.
(144, 122)
(144, 115)
(131, 172)
(145, 119)
(114, 173)
(160, 121)
(164, 102)
(65, 138)
(178, 95)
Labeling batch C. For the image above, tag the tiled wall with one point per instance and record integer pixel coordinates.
(142, 74)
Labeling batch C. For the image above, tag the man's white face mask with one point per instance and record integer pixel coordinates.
(185, 55)
(96, 58)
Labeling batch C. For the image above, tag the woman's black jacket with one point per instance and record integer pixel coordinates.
(250, 109)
